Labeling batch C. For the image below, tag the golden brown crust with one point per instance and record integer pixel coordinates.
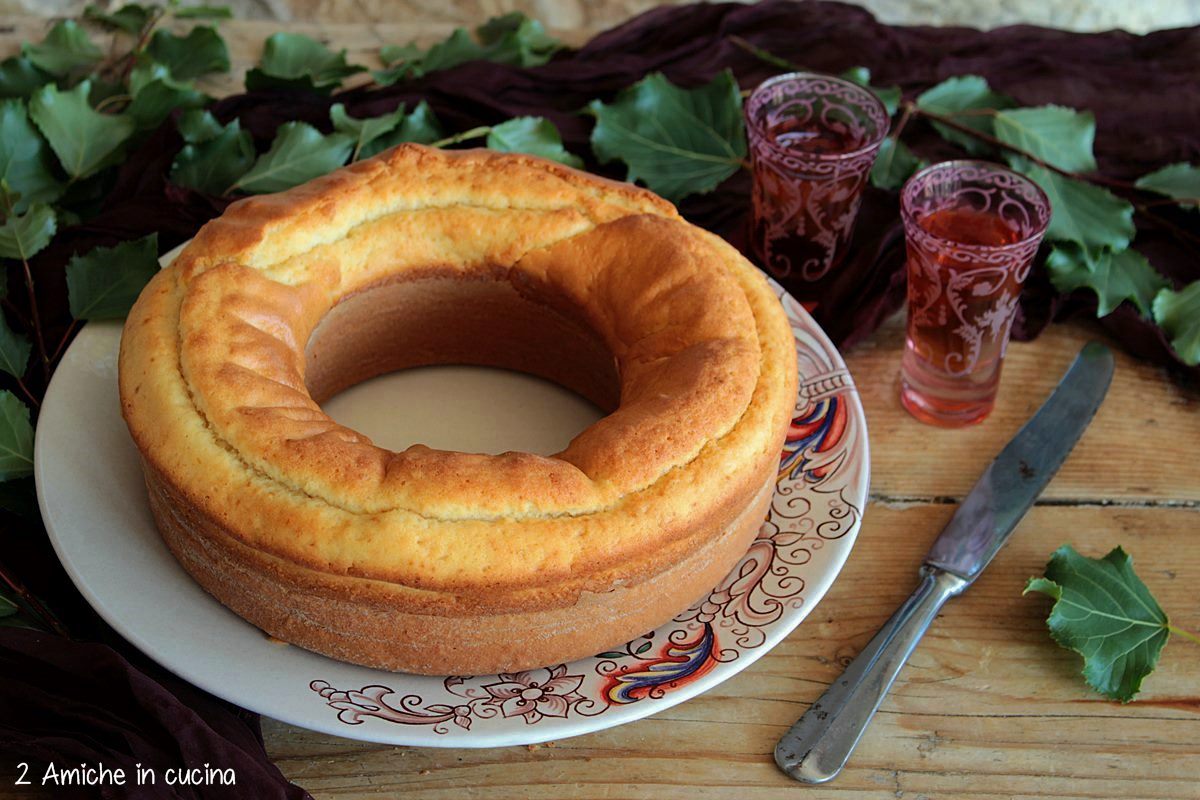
(215, 379)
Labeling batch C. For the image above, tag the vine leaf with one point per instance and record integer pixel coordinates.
(83, 139)
(14, 351)
(894, 163)
(968, 100)
(421, 126)
(516, 39)
(1081, 212)
(26, 175)
(156, 94)
(295, 61)
(212, 157)
(533, 135)
(65, 49)
(1059, 136)
(204, 12)
(363, 130)
(509, 39)
(104, 282)
(676, 141)
(16, 438)
(1114, 277)
(1178, 313)
(20, 78)
(1180, 181)
(197, 125)
(299, 153)
(130, 18)
(1104, 612)
(24, 235)
(200, 52)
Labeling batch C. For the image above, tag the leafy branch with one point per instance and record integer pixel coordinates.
(1091, 227)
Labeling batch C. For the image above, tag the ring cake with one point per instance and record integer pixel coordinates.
(443, 562)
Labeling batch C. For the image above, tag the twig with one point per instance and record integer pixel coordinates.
(36, 321)
(66, 339)
(473, 133)
(765, 55)
(111, 100)
(32, 606)
(950, 122)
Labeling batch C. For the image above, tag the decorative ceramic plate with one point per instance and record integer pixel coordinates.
(94, 504)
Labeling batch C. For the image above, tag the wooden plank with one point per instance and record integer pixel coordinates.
(988, 707)
(1133, 452)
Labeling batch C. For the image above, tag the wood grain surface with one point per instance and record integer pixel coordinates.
(989, 706)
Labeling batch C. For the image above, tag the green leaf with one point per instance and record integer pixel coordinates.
(204, 12)
(7, 607)
(1178, 313)
(130, 18)
(509, 39)
(364, 130)
(24, 235)
(1104, 612)
(104, 282)
(1114, 277)
(1180, 181)
(894, 164)
(299, 153)
(1059, 136)
(83, 139)
(25, 161)
(421, 126)
(859, 75)
(294, 61)
(16, 438)
(156, 94)
(676, 141)
(66, 48)
(965, 99)
(611, 654)
(200, 52)
(197, 125)
(643, 647)
(533, 135)
(20, 78)
(518, 40)
(212, 164)
(14, 351)
(1082, 212)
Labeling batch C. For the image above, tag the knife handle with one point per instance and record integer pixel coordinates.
(816, 748)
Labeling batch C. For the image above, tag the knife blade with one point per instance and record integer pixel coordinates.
(816, 748)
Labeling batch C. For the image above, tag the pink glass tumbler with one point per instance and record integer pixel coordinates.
(972, 229)
(813, 139)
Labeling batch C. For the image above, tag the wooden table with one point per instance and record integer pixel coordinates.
(988, 707)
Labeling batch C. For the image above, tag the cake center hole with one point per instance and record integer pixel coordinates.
(467, 364)
(465, 408)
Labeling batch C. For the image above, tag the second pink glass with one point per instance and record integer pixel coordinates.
(813, 139)
(972, 229)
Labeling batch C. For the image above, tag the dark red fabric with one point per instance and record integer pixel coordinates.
(67, 702)
(61, 698)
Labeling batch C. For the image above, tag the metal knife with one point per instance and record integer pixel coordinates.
(816, 748)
